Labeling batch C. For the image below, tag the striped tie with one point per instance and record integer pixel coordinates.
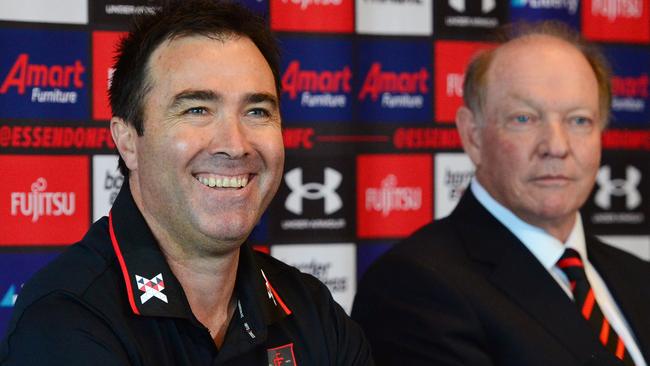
(583, 295)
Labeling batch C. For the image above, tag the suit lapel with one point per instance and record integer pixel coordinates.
(518, 274)
(631, 292)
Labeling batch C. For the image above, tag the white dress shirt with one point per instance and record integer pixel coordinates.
(548, 250)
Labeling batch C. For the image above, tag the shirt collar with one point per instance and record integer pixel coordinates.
(545, 247)
(153, 290)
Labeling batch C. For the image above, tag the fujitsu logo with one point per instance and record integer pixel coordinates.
(613, 9)
(296, 80)
(23, 75)
(455, 84)
(313, 191)
(39, 203)
(618, 187)
(389, 197)
(304, 4)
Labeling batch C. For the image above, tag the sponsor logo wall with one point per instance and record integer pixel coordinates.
(370, 92)
(334, 264)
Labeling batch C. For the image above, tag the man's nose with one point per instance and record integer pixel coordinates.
(230, 138)
(554, 139)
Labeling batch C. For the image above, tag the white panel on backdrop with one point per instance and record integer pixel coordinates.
(637, 245)
(45, 11)
(333, 264)
(107, 181)
(453, 172)
(395, 17)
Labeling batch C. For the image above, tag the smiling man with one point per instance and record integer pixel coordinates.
(510, 278)
(167, 278)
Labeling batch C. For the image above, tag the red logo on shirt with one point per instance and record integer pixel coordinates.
(281, 356)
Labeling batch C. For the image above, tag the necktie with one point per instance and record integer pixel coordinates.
(583, 295)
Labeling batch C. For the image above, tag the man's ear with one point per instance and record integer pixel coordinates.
(469, 129)
(125, 138)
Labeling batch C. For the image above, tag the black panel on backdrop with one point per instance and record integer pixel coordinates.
(463, 18)
(118, 12)
(617, 205)
(316, 200)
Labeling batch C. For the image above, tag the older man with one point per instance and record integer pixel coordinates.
(166, 279)
(510, 278)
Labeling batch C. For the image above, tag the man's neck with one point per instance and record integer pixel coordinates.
(209, 283)
(207, 277)
(560, 228)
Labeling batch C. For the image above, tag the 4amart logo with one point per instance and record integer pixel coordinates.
(395, 88)
(317, 88)
(24, 74)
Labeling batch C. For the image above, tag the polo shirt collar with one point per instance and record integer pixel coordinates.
(153, 290)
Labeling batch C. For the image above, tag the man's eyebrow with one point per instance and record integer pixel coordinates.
(197, 95)
(261, 98)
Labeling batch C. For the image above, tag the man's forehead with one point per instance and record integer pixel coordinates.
(174, 41)
(522, 56)
(184, 52)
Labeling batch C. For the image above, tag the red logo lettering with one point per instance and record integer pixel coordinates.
(378, 82)
(630, 86)
(295, 138)
(296, 80)
(23, 74)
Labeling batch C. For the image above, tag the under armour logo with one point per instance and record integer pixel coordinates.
(460, 6)
(618, 187)
(151, 288)
(313, 191)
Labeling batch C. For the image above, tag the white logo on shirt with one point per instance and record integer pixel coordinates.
(151, 288)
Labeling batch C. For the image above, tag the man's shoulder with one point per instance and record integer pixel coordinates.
(305, 295)
(598, 251)
(76, 271)
(434, 241)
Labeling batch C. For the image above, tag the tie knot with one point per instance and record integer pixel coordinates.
(572, 265)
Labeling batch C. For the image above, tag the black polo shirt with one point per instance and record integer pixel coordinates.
(111, 299)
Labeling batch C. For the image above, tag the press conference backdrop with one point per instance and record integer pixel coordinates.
(370, 89)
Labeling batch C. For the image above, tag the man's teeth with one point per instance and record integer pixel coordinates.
(224, 182)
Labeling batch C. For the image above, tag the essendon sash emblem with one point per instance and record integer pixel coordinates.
(281, 356)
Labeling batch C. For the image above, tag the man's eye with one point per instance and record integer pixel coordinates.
(522, 118)
(581, 121)
(196, 110)
(259, 112)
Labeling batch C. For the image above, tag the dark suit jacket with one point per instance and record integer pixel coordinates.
(465, 291)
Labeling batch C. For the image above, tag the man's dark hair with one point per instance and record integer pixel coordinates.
(220, 20)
